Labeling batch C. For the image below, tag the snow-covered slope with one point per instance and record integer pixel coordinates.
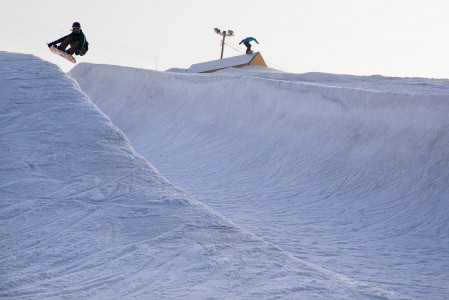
(346, 173)
(83, 216)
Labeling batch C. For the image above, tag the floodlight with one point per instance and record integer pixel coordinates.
(223, 34)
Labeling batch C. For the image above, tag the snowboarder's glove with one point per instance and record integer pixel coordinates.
(77, 52)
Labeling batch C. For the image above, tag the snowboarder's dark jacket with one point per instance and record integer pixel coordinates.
(75, 37)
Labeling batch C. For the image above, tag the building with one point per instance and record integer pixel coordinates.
(254, 59)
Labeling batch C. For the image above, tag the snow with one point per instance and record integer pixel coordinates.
(222, 63)
(121, 183)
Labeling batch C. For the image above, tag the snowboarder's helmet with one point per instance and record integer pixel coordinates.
(76, 25)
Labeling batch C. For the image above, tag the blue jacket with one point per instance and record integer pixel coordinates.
(248, 39)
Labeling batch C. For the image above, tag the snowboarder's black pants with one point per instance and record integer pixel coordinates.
(73, 46)
(248, 47)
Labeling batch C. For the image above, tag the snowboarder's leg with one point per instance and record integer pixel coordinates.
(248, 47)
(73, 46)
(83, 51)
(65, 43)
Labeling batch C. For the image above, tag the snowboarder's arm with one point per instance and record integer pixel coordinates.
(58, 41)
(256, 41)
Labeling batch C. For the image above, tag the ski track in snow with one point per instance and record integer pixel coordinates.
(315, 189)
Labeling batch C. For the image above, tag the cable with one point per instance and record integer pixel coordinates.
(234, 48)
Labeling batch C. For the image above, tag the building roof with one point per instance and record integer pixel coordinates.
(235, 61)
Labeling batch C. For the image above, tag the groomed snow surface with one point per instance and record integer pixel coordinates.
(120, 183)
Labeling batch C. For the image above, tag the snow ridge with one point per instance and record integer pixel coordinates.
(83, 216)
(348, 173)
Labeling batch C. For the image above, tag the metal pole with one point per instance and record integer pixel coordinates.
(222, 44)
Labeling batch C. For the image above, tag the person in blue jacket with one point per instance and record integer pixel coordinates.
(246, 42)
(77, 41)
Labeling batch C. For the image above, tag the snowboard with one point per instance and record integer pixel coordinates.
(62, 54)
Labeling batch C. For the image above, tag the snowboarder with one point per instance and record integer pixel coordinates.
(246, 42)
(77, 41)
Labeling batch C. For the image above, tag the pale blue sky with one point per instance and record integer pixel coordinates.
(361, 37)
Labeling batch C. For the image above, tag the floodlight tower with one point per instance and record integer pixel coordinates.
(224, 34)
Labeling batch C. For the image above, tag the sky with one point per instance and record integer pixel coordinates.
(404, 38)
